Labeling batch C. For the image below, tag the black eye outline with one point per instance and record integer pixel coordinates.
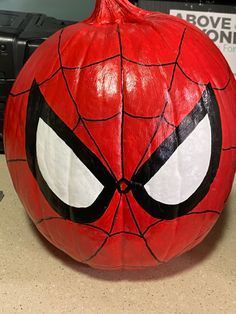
(38, 108)
(207, 105)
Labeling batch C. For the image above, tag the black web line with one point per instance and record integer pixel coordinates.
(16, 160)
(169, 123)
(150, 118)
(91, 64)
(113, 220)
(124, 58)
(97, 251)
(165, 105)
(204, 212)
(96, 227)
(229, 148)
(133, 216)
(148, 65)
(188, 214)
(226, 85)
(39, 84)
(99, 150)
(64, 76)
(141, 117)
(122, 100)
(189, 78)
(76, 106)
(204, 84)
(125, 232)
(115, 216)
(86, 224)
(152, 138)
(140, 235)
(108, 234)
(152, 225)
(177, 58)
(49, 78)
(102, 120)
(85, 67)
(140, 232)
(38, 222)
(77, 124)
(61, 67)
(145, 231)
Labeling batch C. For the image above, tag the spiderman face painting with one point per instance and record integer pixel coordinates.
(121, 143)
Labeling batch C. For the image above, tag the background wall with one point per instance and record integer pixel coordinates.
(63, 9)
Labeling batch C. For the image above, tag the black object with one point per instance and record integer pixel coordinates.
(20, 34)
(1, 195)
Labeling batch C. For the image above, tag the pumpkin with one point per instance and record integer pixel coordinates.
(120, 136)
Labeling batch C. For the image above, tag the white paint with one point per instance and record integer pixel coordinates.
(185, 170)
(65, 174)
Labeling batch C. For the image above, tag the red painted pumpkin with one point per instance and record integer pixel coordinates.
(120, 137)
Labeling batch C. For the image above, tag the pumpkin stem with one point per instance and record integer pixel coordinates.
(115, 11)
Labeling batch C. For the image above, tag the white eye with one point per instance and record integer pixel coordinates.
(70, 180)
(185, 170)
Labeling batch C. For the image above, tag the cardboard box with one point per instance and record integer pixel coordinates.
(216, 19)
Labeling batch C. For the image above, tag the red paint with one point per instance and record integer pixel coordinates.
(150, 39)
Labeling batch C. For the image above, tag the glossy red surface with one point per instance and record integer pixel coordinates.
(123, 62)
